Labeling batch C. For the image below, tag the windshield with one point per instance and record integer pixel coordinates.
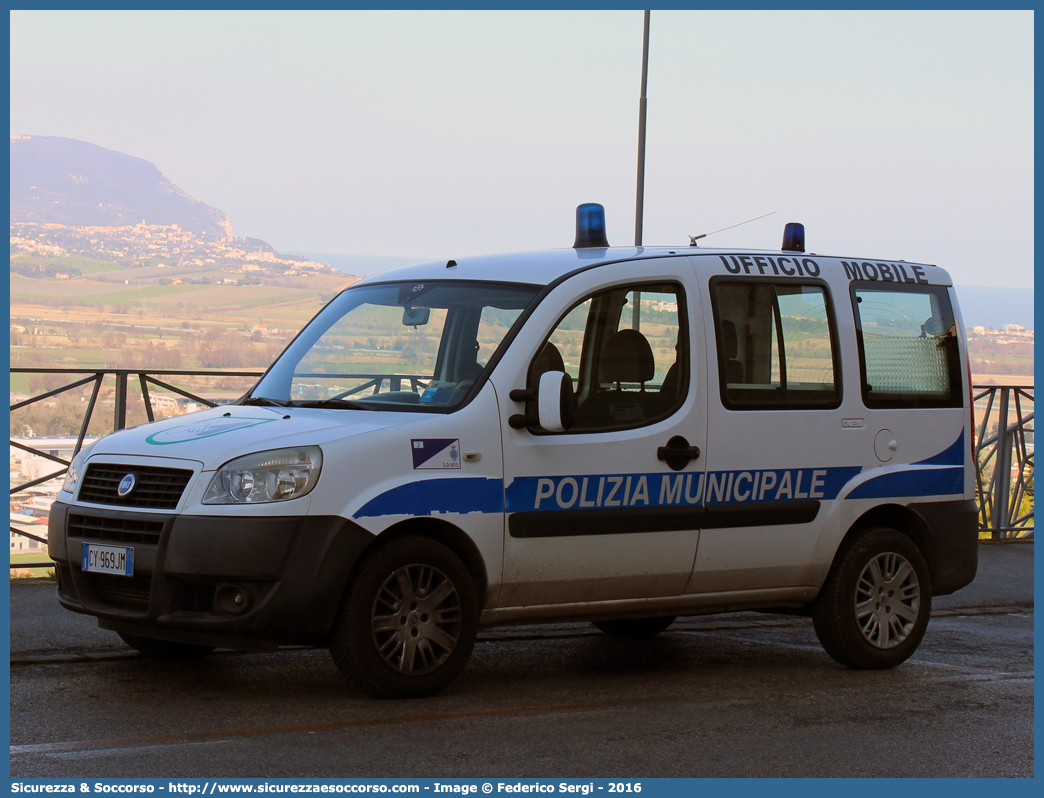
(395, 346)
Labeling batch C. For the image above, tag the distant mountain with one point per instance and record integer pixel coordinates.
(65, 181)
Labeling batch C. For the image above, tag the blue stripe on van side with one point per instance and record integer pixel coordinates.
(447, 495)
(482, 495)
(922, 482)
(952, 455)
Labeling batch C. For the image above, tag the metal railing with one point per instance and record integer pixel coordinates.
(1004, 461)
(124, 379)
(1004, 442)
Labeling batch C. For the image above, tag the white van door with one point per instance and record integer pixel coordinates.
(778, 452)
(610, 508)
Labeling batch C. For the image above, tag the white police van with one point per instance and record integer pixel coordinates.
(619, 435)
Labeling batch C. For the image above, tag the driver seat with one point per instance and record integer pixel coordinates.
(627, 357)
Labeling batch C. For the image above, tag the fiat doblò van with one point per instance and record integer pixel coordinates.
(618, 435)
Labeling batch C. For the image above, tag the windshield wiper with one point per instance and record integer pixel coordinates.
(340, 404)
(264, 401)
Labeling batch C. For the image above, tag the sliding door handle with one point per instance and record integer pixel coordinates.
(677, 453)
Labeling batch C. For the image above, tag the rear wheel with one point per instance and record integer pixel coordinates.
(635, 628)
(165, 649)
(408, 621)
(874, 608)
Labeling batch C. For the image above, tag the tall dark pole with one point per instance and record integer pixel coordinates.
(639, 202)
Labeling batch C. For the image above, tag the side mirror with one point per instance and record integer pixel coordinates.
(555, 401)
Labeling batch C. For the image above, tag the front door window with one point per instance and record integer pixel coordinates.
(624, 352)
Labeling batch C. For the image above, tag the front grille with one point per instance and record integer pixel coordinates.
(129, 593)
(158, 488)
(119, 530)
(194, 597)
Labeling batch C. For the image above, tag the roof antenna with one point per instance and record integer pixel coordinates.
(694, 239)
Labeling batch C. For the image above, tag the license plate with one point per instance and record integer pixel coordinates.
(108, 559)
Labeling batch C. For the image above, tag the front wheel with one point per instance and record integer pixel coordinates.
(408, 621)
(874, 607)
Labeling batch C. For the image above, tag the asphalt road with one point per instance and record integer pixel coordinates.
(737, 695)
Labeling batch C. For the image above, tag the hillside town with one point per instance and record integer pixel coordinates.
(1009, 332)
(156, 245)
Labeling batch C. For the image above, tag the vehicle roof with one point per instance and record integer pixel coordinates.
(545, 266)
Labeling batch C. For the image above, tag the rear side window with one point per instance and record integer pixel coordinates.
(777, 345)
(908, 348)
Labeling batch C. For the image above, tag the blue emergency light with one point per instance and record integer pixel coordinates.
(794, 237)
(590, 226)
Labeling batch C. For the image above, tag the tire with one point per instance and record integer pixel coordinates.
(165, 649)
(408, 620)
(874, 607)
(634, 628)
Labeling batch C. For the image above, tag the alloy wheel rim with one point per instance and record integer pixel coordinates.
(416, 619)
(887, 600)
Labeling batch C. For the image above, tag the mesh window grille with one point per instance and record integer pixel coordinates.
(905, 338)
(906, 365)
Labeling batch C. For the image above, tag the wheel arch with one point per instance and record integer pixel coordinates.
(449, 535)
(902, 519)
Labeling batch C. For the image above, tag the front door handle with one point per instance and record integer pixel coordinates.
(677, 453)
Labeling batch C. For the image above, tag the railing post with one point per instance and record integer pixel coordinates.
(145, 396)
(120, 419)
(1002, 472)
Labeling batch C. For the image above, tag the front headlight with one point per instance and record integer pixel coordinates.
(72, 476)
(273, 476)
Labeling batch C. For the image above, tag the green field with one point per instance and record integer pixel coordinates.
(100, 359)
(20, 383)
(31, 288)
(281, 299)
(56, 358)
(39, 556)
(85, 265)
(283, 303)
(214, 298)
(95, 293)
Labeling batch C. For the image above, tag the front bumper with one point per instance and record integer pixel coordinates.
(249, 582)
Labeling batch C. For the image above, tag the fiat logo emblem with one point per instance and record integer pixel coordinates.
(126, 485)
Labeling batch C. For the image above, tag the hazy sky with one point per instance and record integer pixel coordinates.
(900, 135)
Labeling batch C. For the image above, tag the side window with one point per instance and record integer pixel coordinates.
(908, 347)
(777, 345)
(625, 352)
